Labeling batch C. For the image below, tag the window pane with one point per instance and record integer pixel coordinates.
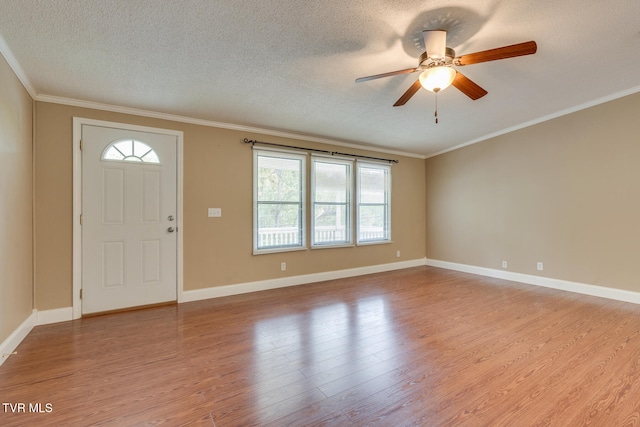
(140, 149)
(372, 222)
(279, 179)
(372, 185)
(113, 154)
(151, 157)
(277, 215)
(278, 225)
(125, 147)
(331, 224)
(331, 182)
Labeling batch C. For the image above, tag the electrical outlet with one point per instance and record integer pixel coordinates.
(398, 254)
(283, 266)
(540, 266)
(214, 212)
(504, 264)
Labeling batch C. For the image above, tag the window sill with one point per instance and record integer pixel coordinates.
(375, 242)
(344, 245)
(278, 250)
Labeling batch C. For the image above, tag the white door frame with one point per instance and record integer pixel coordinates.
(77, 202)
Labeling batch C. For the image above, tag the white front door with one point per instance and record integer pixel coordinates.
(129, 218)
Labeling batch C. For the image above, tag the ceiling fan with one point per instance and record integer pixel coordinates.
(438, 60)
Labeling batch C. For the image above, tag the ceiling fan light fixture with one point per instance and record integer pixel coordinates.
(437, 78)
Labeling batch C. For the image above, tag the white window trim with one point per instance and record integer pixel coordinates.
(350, 208)
(388, 184)
(303, 197)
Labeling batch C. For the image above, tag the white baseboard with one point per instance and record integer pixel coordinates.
(46, 317)
(547, 282)
(11, 343)
(263, 285)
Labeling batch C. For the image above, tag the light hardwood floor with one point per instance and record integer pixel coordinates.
(421, 346)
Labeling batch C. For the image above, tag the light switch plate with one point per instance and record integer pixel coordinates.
(215, 212)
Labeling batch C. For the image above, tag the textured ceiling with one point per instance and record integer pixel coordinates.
(290, 65)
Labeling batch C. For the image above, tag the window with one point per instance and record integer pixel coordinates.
(374, 203)
(331, 202)
(279, 201)
(349, 201)
(130, 150)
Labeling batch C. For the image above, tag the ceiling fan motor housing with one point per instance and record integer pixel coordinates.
(435, 43)
(447, 60)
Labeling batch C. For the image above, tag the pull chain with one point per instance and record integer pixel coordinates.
(436, 90)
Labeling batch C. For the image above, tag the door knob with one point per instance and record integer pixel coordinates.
(170, 229)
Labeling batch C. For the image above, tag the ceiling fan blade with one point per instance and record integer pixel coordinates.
(468, 87)
(389, 74)
(408, 94)
(520, 49)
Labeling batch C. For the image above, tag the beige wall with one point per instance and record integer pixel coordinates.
(16, 193)
(564, 192)
(217, 173)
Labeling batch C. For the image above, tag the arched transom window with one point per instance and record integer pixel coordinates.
(130, 150)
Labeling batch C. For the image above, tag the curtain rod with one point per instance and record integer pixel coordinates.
(333, 153)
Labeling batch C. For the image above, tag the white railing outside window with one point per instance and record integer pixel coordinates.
(278, 237)
(372, 233)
